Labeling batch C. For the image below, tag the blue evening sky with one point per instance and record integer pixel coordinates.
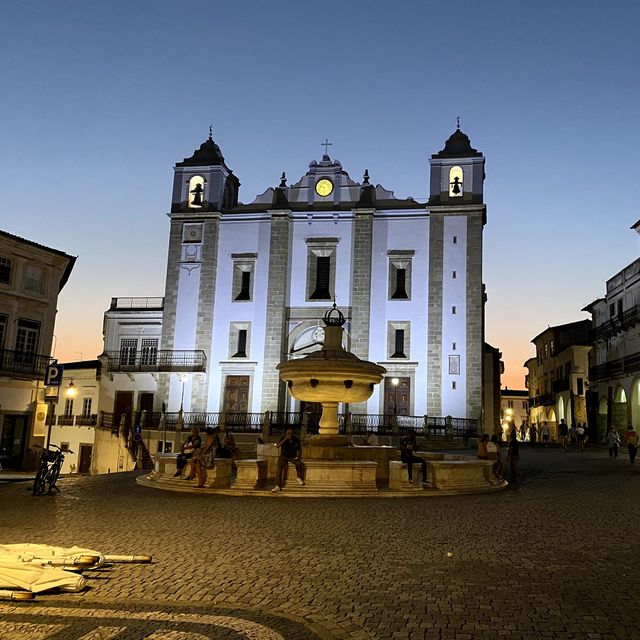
(100, 99)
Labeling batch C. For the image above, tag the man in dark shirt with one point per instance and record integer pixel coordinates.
(563, 430)
(407, 447)
(290, 451)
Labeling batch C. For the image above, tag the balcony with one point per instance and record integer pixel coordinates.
(23, 364)
(137, 304)
(618, 367)
(65, 421)
(545, 400)
(87, 421)
(557, 386)
(156, 361)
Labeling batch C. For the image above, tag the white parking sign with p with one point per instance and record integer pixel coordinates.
(53, 375)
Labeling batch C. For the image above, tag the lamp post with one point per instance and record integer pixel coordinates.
(51, 399)
(395, 382)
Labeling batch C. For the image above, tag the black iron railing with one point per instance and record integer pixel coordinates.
(160, 360)
(617, 367)
(65, 421)
(86, 421)
(23, 363)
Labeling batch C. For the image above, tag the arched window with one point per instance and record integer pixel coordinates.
(196, 192)
(456, 180)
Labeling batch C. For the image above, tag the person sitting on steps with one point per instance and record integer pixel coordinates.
(408, 446)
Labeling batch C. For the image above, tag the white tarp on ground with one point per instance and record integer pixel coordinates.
(36, 578)
(50, 555)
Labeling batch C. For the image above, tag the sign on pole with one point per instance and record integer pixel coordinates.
(53, 375)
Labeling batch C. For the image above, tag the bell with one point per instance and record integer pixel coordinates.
(197, 196)
(455, 186)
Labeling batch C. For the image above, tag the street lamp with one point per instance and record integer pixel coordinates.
(72, 390)
(183, 377)
(395, 382)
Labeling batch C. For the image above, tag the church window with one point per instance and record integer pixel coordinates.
(453, 385)
(398, 339)
(453, 346)
(149, 351)
(454, 310)
(456, 179)
(244, 266)
(5, 270)
(400, 274)
(454, 274)
(399, 344)
(455, 239)
(245, 282)
(33, 279)
(128, 348)
(321, 268)
(242, 344)
(454, 365)
(239, 339)
(196, 194)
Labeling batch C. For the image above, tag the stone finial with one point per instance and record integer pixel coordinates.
(283, 180)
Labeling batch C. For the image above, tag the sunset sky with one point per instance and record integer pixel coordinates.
(99, 100)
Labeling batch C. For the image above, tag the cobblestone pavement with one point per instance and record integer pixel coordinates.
(556, 557)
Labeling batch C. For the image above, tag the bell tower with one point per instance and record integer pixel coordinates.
(457, 172)
(203, 182)
(457, 215)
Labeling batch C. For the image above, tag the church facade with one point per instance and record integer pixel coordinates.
(247, 286)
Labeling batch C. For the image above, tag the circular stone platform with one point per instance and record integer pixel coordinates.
(361, 472)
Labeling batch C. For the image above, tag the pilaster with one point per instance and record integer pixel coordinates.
(361, 288)
(475, 314)
(273, 391)
(434, 329)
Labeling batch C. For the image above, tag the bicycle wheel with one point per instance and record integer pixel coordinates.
(39, 481)
(53, 475)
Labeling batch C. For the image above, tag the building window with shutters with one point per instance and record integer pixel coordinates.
(149, 352)
(68, 408)
(5, 270)
(86, 407)
(128, 348)
(321, 268)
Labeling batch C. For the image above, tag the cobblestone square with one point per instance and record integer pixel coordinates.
(556, 557)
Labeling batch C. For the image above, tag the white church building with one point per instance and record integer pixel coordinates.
(247, 286)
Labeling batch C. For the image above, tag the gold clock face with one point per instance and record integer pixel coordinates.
(324, 187)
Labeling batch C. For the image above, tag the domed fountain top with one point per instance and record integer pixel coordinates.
(334, 317)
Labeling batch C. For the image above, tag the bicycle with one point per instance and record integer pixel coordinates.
(49, 470)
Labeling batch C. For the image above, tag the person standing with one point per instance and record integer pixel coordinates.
(533, 435)
(544, 432)
(580, 435)
(290, 452)
(513, 454)
(408, 447)
(482, 447)
(613, 442)
(572, 434)
(563, 430)
(631, 440)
